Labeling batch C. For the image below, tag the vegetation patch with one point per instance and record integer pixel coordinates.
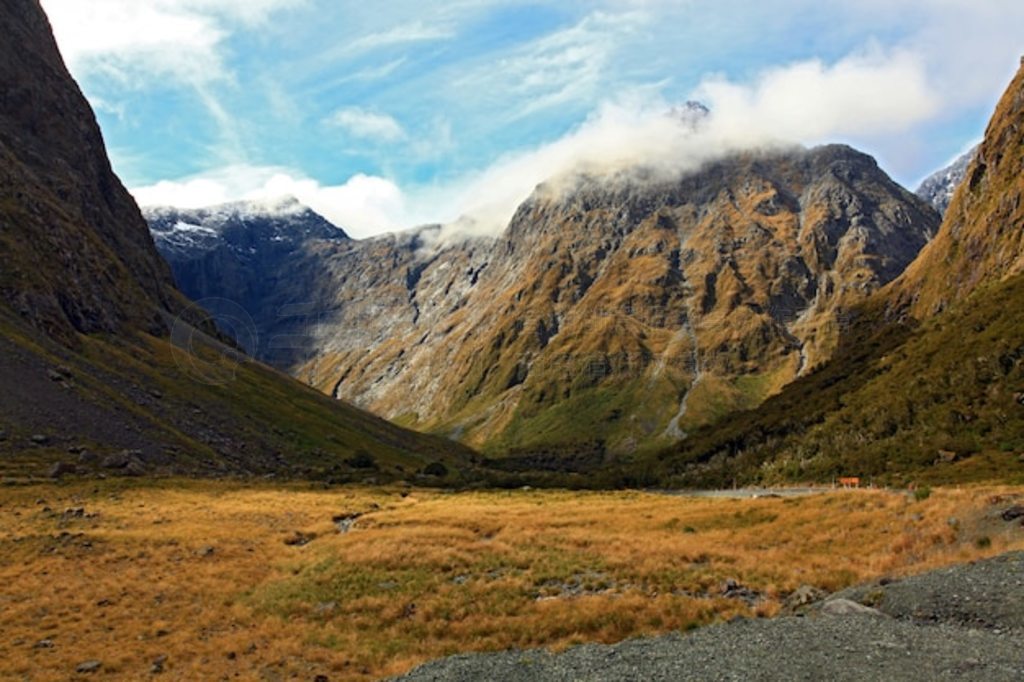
(206, 573)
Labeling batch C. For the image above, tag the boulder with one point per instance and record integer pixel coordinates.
(60, 469)
(118, 460)
(845, 607)
(803, 596)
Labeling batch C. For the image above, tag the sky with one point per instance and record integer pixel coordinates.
(389, 114)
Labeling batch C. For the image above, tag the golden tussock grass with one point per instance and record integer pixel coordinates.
(200, 572)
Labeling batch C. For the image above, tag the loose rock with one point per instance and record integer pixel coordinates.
(88, 667)
(1014, 512)
(344, 522)
(298, 539)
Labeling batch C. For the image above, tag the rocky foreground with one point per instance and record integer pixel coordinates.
(959, 623)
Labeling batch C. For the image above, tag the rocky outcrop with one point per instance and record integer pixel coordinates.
(924, 639)
(938, 189)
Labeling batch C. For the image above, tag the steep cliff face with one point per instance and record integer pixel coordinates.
(104, 364)
(982, 237)
(617, 312)
(77, 254)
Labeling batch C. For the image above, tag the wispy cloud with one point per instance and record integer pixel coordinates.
(380, 72)
(568, 65)
(413, 32)
(367, 125)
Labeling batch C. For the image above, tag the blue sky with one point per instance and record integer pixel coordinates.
(387, 114)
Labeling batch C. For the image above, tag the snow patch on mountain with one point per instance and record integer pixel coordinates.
(938, 188)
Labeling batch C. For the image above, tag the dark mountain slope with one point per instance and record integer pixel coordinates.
(99, 351)
(256, 257)
(76, 252)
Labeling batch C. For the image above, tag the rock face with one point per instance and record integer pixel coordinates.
(247, 256)
(938, 188)
(616, 312)
(76, 252)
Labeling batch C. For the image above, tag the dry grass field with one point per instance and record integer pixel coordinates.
(203, 580)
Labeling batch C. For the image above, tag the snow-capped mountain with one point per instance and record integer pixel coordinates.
(240, 226)
(261, 256)
(938, 188)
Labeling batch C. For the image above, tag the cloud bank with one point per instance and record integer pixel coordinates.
(808, 102)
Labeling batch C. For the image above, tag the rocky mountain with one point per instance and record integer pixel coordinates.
(929, 381)
(938, 188)
(613, 314)
(107, 365)
(622, 311)
(250, 259)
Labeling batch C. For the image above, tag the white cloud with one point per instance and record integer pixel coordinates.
(367, 125)
(363, 205)
(861, 95)
(139, 43)
(806, 102)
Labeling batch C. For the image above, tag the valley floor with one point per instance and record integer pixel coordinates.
(215, 580)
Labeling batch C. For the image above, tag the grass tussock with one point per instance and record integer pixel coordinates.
(200, 572)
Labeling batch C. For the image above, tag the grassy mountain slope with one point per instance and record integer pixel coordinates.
(99, 353)
(912, 393)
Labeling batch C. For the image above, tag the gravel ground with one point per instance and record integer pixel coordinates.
(963, 623)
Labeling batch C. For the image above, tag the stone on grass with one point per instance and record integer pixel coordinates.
(88, 667)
